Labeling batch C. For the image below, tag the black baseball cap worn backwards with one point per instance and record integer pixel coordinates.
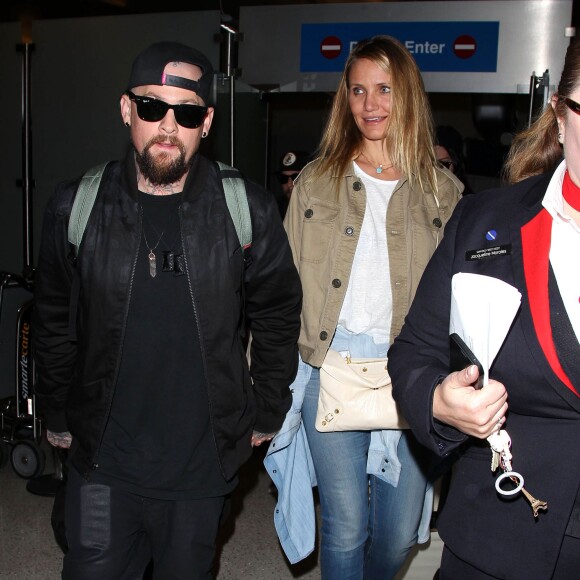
(148, 68)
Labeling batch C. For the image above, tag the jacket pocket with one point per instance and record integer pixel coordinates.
(320, 220)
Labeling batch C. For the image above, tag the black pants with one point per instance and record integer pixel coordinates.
(567, 567)
(113, 534)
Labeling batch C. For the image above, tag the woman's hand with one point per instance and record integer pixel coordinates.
(475, 412)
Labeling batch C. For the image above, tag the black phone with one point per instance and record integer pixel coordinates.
(461, 357)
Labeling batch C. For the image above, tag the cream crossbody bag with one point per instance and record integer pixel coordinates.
(356, 395)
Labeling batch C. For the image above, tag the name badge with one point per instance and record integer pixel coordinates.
(484, 253)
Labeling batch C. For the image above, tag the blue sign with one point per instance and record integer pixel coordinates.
(436, 46)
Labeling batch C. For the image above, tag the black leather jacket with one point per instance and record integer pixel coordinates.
(78, 347)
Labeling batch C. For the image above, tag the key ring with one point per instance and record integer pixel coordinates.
(513, 475)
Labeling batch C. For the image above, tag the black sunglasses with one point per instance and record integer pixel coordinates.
(152, 110)
(283, 179)
(572, 105)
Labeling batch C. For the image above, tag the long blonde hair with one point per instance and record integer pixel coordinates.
(409, 134)
(537, 149)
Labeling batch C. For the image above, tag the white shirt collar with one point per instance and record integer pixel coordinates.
(553, 200)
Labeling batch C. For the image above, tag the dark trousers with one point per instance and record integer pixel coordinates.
(567, 567)
(113, 534)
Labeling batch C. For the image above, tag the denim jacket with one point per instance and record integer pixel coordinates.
(289, 463)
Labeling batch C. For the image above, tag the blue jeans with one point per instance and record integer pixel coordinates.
(368, 526)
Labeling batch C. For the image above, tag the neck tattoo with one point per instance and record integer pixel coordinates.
(151, 189)
(571, 192)
(145, 185)
(379, 167)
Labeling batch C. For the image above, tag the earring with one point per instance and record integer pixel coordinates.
(127, 124)
(559, 137)
(204, 135)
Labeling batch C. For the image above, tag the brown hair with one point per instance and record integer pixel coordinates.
(409, 134)
(537, 149)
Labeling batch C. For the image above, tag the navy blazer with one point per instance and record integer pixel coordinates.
(497, 535)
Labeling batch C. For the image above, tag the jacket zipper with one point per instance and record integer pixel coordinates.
(94, 464)
(201, 349)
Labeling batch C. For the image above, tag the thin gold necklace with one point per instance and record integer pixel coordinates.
(379, 167)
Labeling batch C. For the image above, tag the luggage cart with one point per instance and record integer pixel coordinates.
(20, 428)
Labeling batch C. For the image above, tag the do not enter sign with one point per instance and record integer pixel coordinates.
(464, 46)
(330, 47)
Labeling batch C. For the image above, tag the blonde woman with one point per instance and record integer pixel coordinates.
(363, 221)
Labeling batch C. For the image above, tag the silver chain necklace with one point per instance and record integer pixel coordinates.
(151, 256)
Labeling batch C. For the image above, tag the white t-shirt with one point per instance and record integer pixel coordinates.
(368, 304)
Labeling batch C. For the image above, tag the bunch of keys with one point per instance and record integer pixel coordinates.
(500, 443)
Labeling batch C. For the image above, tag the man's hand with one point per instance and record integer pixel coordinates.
(259, 438)
(62, 440)
(474, 412)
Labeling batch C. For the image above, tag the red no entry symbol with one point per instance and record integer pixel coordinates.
(464, 46)
(330, 47)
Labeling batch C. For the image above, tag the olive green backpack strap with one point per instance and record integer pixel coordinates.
(83, 204)
(234, 189)
(237, 201)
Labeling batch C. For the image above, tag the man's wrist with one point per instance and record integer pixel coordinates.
(261, 435)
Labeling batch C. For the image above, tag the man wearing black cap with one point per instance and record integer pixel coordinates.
(290, 167)
(139, 337)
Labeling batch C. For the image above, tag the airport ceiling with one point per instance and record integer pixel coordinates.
(17, 10)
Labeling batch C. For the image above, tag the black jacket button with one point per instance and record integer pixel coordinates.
(323, 335)
(308, 213)
(437, 223)
(349, 230)
(336, 283)
(357, 185)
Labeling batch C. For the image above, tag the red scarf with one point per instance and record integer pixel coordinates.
(536, 237)
(571, 192)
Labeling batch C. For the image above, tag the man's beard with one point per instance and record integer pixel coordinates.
(162, 169)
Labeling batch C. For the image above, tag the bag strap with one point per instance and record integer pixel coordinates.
(83, 204)
(234, 189)
(237, 201)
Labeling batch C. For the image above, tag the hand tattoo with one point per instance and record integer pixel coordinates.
(62, 440)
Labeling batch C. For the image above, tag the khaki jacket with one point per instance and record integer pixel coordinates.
(323, 223)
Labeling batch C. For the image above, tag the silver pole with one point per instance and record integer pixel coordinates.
(533, 80)
(546, 82)
(27, 179)
(536, 83)
(232, 119)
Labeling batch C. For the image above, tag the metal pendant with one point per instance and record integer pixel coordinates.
(379, 169)
(152, 264)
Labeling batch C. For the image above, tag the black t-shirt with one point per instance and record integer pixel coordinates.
(158, 441)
